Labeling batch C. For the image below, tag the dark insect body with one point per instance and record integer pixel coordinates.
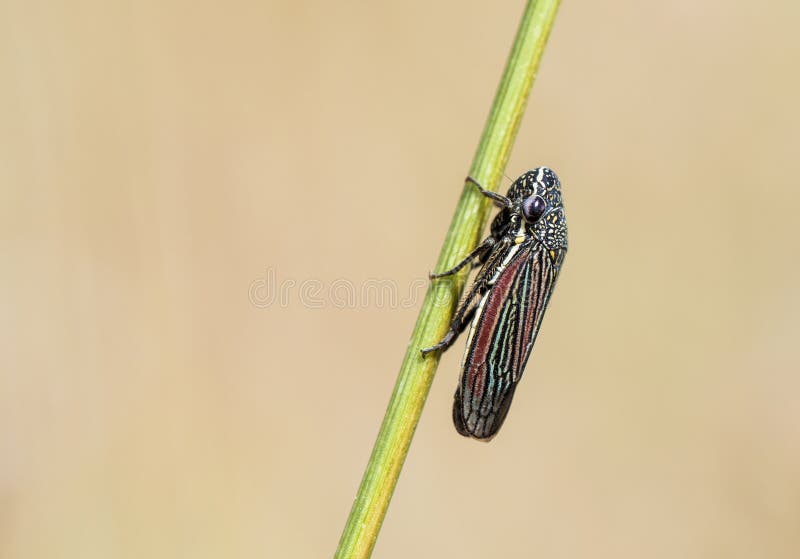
(520, 262)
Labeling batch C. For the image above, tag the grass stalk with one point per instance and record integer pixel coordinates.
(416, 373)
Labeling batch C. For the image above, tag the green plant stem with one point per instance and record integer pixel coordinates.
(416, 373)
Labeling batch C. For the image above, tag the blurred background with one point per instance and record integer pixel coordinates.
(193, 197)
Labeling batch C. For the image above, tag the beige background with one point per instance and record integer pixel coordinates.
(157, 160)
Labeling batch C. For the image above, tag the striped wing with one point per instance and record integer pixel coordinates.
(501, 338)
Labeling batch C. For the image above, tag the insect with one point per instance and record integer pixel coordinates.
(520, 262)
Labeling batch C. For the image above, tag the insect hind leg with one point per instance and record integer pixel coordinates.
(456, 327)
(467, 310)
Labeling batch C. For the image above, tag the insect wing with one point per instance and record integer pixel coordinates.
(501, 338)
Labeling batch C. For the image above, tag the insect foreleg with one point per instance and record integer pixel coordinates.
(499, 199)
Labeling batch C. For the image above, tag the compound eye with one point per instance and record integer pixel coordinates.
(533, 207)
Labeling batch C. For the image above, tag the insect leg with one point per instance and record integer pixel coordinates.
(499, 199)
(465, 313)
(460, 321)
(479, 251)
